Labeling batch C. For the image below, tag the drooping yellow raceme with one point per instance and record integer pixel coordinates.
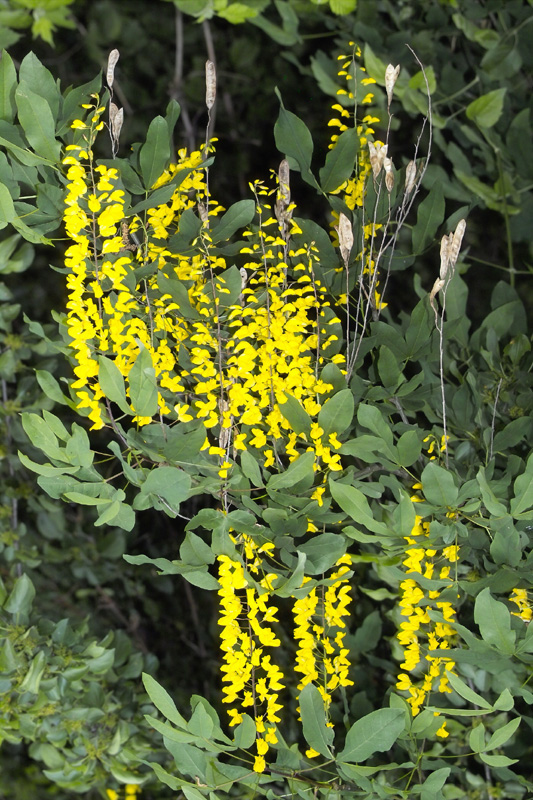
(320, 629)
(253, 681)
(425, 642)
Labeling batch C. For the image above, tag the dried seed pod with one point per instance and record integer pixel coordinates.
(455, 242)
(202, 212)
(389, 174)
(345, 232)
(391, 76)
(114, 56)
(284, 177)
(377, 153)
(410, 177)
(437, 286)
(445, 243)
(116, 118)
(210, 84)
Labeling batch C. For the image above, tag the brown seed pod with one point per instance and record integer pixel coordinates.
(210, 84)
(389, 174)
(391, 76)
(455, 244)
(113, 57)
(345, 232)
(410, 177)
(377, 153)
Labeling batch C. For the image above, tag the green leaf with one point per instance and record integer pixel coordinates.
(430, 216)
(370, 417)
(492, 504)
(374, 733)
(505, 547)
(143, 386)
(342, 7)
(409, 448)
(340, 161)
(494, 621)
(476, 738)
(163, 701)
(195, 551)
(112, 383)
(189, 760)
(237, 216)
(8, 85)
(497, 761)
(438, 486)
(322, 552)
(296, 415)
(523, 490)
(21, 597)
(388, 368)
(50, 386)
(336, 413)
(434, 784)
(354, 503)
(34, 675)
(487, 109)
(165, 777)
(41, 80)
(170, 483)
(158, 197)
(294, 141)
(502, 735)
(245, 733)
(155, 152)
(251, 469)
(317, 734)
(512, 434)
(7, 209)
(299, 470)
(41, 435)
(464, 691)
(37, 122)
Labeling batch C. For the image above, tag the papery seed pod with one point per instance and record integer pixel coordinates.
(202, 211)
(284, 177)
(345, 232)
(114, 56)
(377, 153)
(389, 174)
(437, 286)
(410, 177)
(455, 243)
(445, 244)
(116, 119)
(210, 84)
(391, 76)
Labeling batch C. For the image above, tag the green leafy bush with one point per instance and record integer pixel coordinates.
(355, 480)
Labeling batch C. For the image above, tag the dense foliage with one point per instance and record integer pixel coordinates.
(266, 446)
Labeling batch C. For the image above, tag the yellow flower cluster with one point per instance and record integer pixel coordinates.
(520, 598)
(131, 790)
(322, 657)
(419, 632)
(110, 311)
(353, 190)
(252, 680)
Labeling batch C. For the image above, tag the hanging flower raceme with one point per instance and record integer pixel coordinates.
(253, 681)
(320, 629)
(424, 641)
(111, 311)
